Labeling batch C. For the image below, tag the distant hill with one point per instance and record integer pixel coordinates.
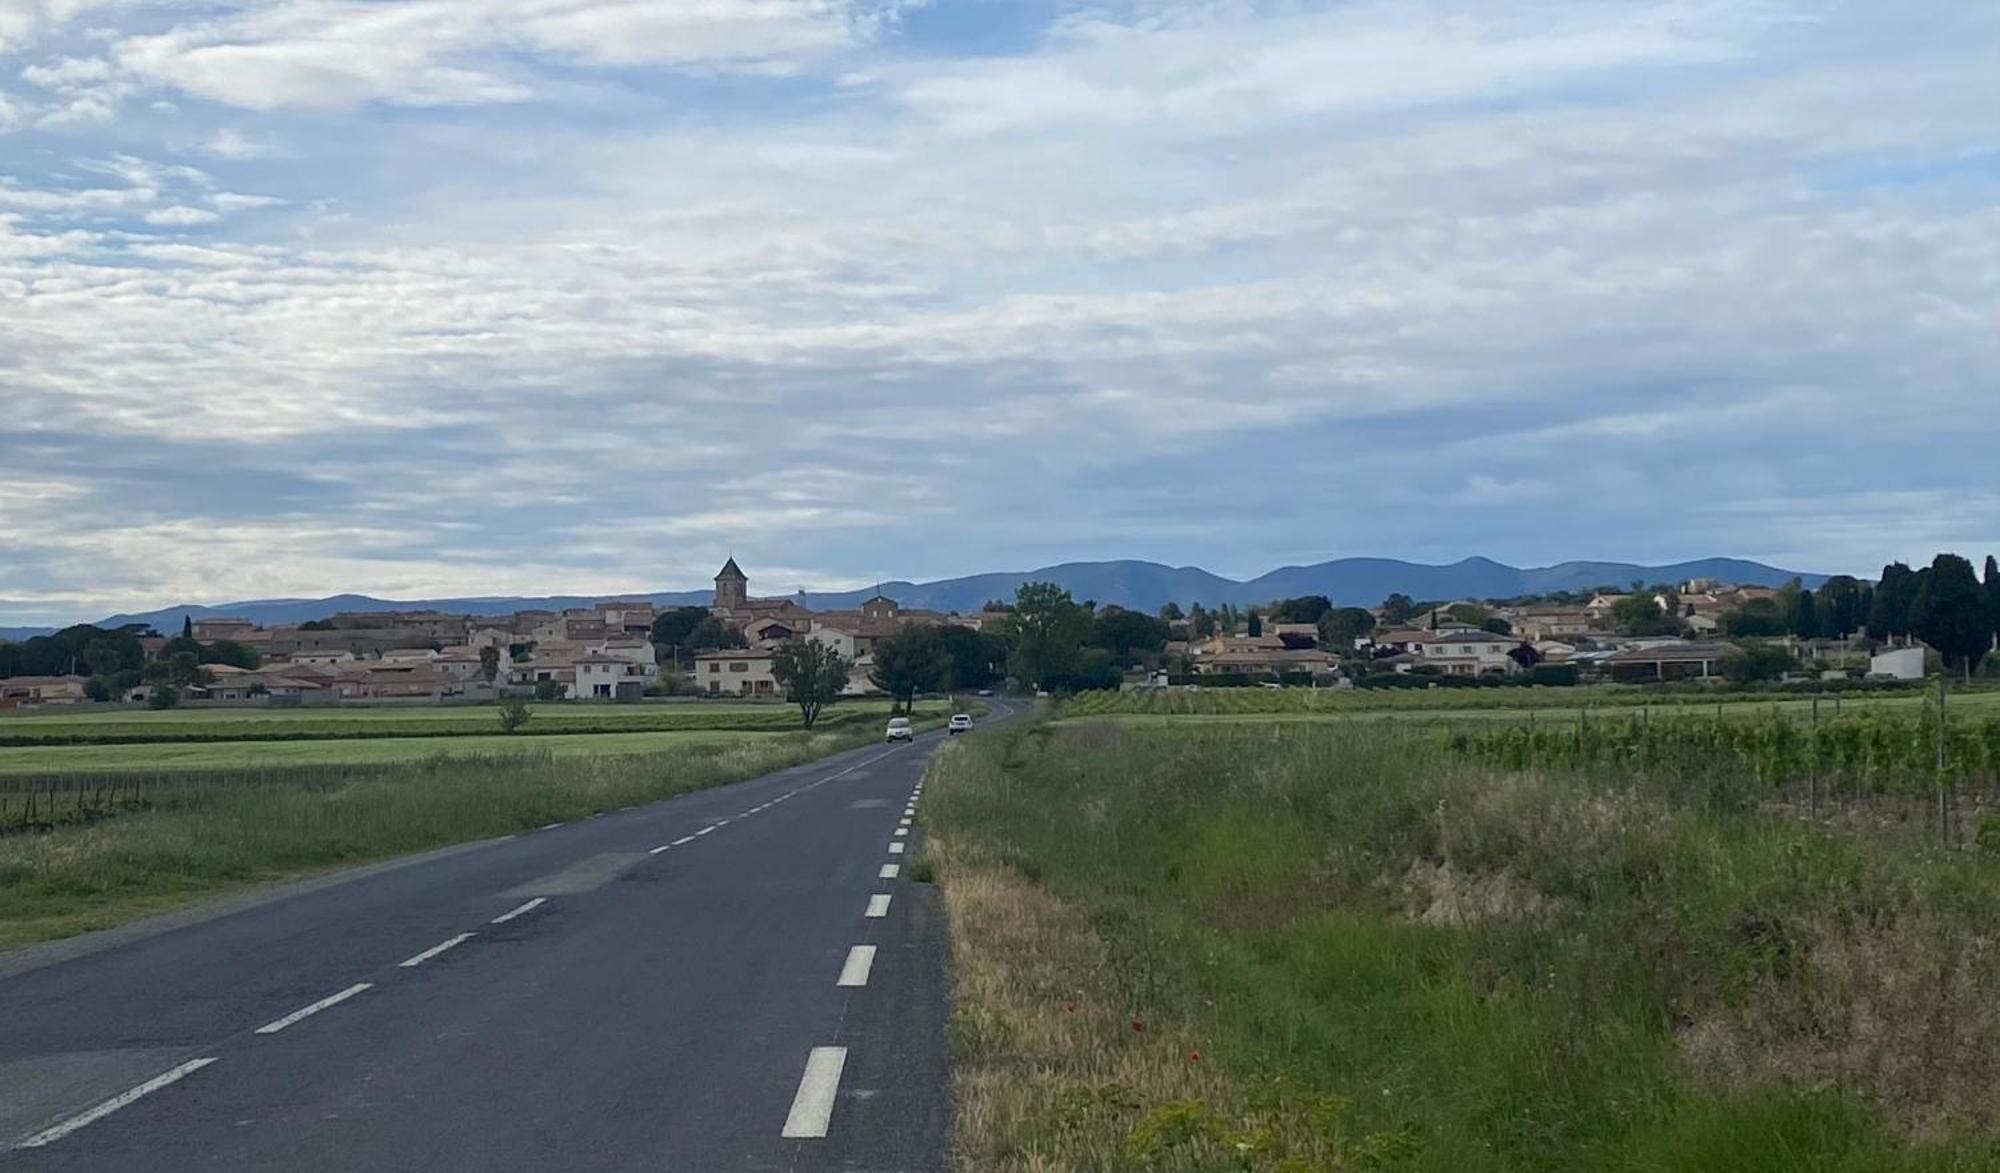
(1145, 585)
(18, 634)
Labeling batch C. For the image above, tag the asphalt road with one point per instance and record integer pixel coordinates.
(740, 979)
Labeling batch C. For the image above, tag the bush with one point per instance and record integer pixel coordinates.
(165, 696)
(1554, 675)
(548, 690)
(514, 713)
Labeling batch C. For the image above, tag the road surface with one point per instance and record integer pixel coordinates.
(739, 979)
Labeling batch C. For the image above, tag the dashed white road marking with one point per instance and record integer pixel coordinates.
(660, 848)
(904, 823)
(902, 831)
(548, 826)
(271, 1028)
(895, 849)
(891, 870)
(706, 830)
(530, 906)
(56, 1133)
(812, 1108)
(434, 950)
(683, 841)
(878, 905)
(860, 960)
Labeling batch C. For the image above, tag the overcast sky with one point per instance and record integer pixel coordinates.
(444, 297)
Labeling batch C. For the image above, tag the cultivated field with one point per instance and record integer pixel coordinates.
(1190, 945)
(135, 726)
(275, 754)
(1486, 704)
(93, 833)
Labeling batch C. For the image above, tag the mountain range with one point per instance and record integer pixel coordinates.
(1140, 585)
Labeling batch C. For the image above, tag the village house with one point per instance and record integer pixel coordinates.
(736, 672)
(22, 691)
(1470, 653)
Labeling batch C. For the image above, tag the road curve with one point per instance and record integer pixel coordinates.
(739, 979)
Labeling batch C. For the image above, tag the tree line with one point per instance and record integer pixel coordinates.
(114, 660)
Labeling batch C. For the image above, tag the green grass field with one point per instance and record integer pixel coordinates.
(136, 726)
(1192, 946)
(232, 755)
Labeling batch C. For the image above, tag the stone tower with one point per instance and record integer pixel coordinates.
(732, 588)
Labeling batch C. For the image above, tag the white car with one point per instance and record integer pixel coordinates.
(960, 723)
(900, 730)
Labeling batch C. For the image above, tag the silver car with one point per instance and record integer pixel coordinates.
(900, 730)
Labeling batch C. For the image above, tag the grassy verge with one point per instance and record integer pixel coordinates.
(1327, 948)
(194, 836)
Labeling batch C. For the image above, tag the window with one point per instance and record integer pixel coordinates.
(739, 666)
(713, 667)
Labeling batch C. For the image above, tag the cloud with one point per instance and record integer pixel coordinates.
(233, 144)
(180, 216)
(1417, 279)
(334, 54)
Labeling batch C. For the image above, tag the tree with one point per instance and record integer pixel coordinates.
(978, 658)
(164, 696)
(1047, 632)
(1092, 671)
(1254, 624)
(1471, 613)
(1760, 662)
(1127, 635)
(1339, 630)
(713, 634)
(1228, 619)
(1304, 609)
(1397, 610)
(1496, 625)
(1805, 623)
(1952, 614)
(1895, 599)
(548, 690)
(227, 651)
(672, 629)
(1171, 612)
(104, 656)
(1526, 655)
(1756, 618)
(489, 665)
(813, 675)
(1640, 615)
(187, 627)
(911, 661)
(1201, 622)
(1993, 592)
(514, 713)
(1840, 613)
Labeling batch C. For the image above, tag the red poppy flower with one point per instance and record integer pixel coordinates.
(1194, 1056)
(1138, 1026)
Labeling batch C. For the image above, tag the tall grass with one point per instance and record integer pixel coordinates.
(1387, 956)
(178, 838)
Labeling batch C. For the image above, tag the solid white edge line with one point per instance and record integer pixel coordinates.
(895, 849)
(860, 960)
(812, 1107)
(434, 950)
(51, 1135)
(530, 906)
(878, 904)
(891, 870)
(271, 1028)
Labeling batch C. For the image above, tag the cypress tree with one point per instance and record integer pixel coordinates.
(1805, 624)
(1952, 613)
(1993, 593)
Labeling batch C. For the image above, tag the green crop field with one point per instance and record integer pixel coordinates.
(231, 755)
(1262, 705)
(124, 726)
